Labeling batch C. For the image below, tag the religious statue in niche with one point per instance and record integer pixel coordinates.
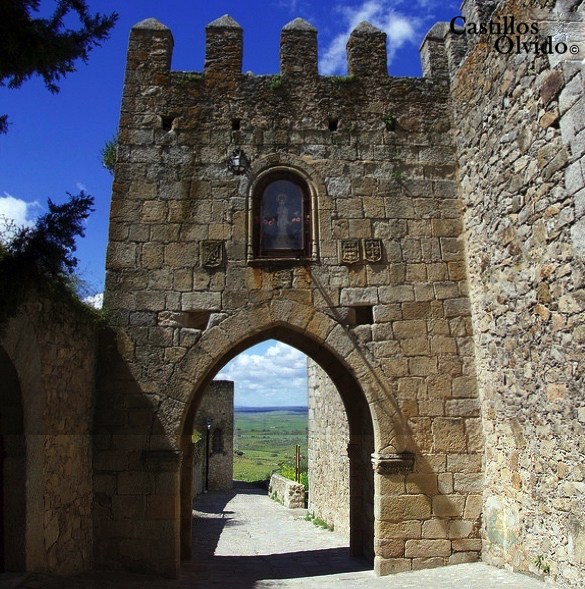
(283, 217)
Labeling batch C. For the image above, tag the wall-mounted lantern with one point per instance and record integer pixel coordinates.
(238, 162)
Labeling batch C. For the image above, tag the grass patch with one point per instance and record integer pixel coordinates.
(265, 440)
(320, 523)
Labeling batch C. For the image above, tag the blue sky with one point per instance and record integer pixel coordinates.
(54, 140)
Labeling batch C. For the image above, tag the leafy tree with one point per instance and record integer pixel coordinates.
(45, 46)
(42, 256)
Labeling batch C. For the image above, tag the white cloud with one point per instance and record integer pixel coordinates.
(96, 301)
(16, 213)
(400, 28)
(276, 377)
(291, 5)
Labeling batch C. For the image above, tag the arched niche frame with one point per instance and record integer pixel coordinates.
(284, 195)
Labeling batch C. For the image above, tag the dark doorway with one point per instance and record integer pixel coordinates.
(12, 470)
(360, 447)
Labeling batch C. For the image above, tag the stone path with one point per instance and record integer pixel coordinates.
(244, 540)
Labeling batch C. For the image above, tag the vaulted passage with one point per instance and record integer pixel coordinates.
(12, 470)
(359, 450)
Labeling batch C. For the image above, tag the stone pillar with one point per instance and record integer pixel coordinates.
(158, 533)
(150, 51)
(366, 52)
(223, 47)
(298, 49)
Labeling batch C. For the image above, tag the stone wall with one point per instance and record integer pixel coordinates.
(216, 409)
(328, 451)
(52, 350)
(520, 130)
(287, 492)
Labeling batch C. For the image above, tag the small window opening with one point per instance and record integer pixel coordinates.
(236, 124)
(167, 123)
(196, 319)
(217, 442)
(333, 124)
(364, 315)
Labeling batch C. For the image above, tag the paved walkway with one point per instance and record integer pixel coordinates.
(244, 540)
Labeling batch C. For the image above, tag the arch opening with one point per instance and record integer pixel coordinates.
(359, 421)
(12, 470)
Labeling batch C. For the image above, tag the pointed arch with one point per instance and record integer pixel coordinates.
(329, 344)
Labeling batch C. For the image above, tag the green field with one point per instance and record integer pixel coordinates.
(267, 438)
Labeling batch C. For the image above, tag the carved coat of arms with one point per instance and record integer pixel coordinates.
(350, 251)
(373, 250)
(212, 254)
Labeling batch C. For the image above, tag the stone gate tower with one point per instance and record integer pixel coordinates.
(326, 212)
(339, 234)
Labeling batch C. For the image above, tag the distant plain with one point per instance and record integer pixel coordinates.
(267, 437)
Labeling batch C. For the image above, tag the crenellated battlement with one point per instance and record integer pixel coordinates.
(367, 58)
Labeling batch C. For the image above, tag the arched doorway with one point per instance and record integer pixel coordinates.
(360, 448)
(12, 470)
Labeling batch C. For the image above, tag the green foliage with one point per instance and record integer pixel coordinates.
(398, 175)
(186, 77)
(320, 523)
(542, 565)
(288, 471)
(41, 257)
(276, 83)
(44, 46)
(108, 154)
(342, 80)
(390, 122)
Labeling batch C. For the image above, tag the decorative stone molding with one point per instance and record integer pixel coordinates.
(402, 462)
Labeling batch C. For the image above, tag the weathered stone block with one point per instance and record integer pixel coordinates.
(161, 507)
(389, 566)
(449, 435)
(427, 548)
(204, 301)
(448, 505)
(396, 509)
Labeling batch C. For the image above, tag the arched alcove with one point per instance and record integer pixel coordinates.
(12, 470)
(361, 430)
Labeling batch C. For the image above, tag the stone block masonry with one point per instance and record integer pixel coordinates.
(213, 468)
(421, 240)
(287, 492)
(47, 369)
(328, 469)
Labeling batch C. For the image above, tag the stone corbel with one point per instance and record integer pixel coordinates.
(402, 462)
(162, 460)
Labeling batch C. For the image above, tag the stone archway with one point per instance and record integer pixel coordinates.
(12, 470)
(331, 346)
